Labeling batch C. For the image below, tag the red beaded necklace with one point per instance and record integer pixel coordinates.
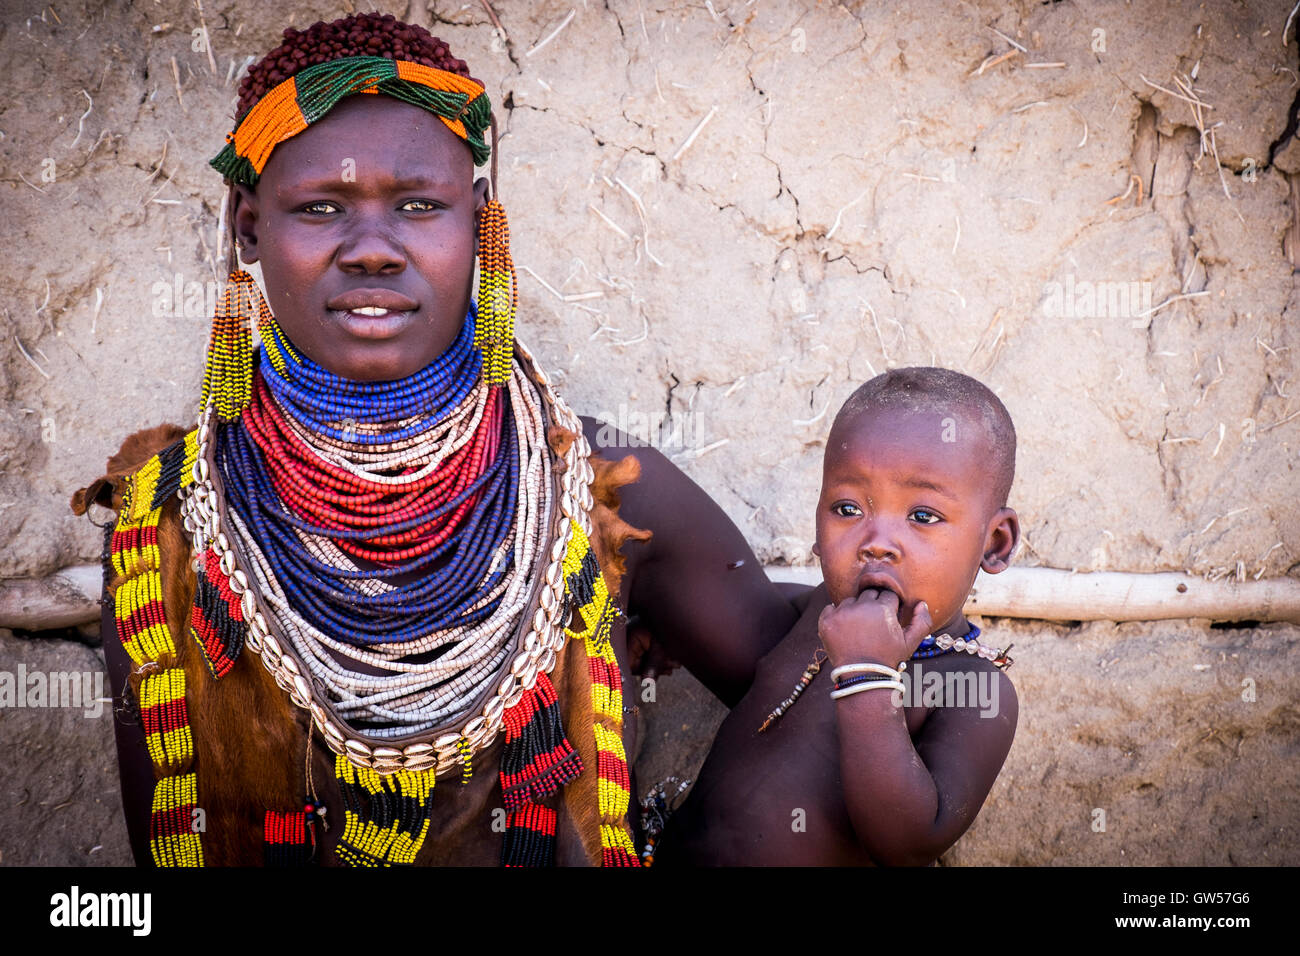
(342, 500)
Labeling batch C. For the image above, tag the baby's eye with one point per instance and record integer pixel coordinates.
(845, 509)
(419, 205)
(925, 516)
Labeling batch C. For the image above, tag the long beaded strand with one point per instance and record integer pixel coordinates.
(454, 542)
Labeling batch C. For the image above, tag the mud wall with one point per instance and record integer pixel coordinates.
(728, 215)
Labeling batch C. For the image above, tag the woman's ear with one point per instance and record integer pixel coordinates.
(480, 200)
(244, 219)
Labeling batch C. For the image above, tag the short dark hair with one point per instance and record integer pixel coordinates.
(361, 34)
(928, 389)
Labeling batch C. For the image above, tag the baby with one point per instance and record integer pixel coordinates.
(887, 757)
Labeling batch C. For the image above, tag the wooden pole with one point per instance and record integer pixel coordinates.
(1056, 595)
(64, 599)
(71, 596)
(1050, 594)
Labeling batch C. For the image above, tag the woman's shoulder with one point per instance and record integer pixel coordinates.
(136, 451)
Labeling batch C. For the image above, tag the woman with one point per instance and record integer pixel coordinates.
(396, 514)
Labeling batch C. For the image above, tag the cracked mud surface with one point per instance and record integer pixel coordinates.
(854, 199)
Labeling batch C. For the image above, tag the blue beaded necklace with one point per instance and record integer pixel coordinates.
(321, 400)
(928, 648)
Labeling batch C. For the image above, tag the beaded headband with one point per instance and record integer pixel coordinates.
(292, 106)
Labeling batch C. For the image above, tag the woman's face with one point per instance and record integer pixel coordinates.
(365, 227)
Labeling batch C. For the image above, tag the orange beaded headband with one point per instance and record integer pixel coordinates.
(308, 95)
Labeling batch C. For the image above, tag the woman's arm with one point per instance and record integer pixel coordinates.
(696, 584)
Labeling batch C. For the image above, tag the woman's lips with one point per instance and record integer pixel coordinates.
(370, 322)
(373, 313)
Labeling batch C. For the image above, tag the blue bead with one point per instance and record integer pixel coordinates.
(322, 400)
(927, 648)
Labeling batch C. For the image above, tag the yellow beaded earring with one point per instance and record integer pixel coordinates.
(228, 366)
(498, 297)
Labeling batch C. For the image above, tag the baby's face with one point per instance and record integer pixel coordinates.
(905, 506)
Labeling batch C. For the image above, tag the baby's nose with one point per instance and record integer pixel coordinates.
(878, 543)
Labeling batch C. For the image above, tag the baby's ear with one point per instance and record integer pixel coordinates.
(1000, 544)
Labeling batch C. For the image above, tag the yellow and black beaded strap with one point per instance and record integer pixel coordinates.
(385, 816)
(594, 615)
(162, 476)
(175, 820)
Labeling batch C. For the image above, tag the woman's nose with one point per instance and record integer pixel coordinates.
(370, 248)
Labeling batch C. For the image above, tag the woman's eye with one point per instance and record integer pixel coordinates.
(420, 205)
(925, 516)
(320, 208)
(846, 510)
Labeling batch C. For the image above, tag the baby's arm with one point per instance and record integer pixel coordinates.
(909, 803)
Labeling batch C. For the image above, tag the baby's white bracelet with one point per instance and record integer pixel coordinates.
(865, 668)
(889, 678)
(868, 685)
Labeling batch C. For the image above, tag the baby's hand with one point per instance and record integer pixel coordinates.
(865, 628)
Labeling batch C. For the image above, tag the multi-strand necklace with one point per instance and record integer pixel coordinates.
(377, 703)
(392, 529)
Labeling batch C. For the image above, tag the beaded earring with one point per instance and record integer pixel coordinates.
(498, 297)
(228, 366)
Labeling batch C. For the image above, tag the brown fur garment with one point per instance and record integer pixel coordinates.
(240, 773)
